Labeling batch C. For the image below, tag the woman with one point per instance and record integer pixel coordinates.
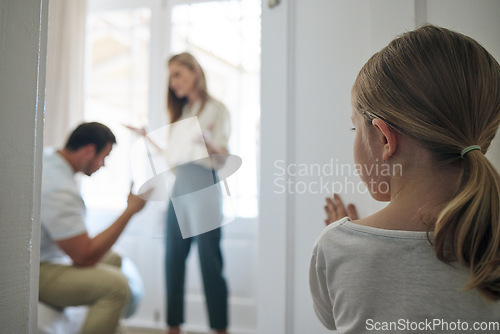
(428, 103)
(188, 97)
(195, 209)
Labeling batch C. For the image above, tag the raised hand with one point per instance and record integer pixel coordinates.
(138, 131)
(335, 210)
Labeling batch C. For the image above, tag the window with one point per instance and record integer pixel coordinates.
(128, 44)
(118, 90)
(125, 80)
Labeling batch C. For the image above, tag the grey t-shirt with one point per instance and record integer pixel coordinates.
(369, 280)
(62, 210)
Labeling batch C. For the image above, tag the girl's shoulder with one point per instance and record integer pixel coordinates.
(328, 230)
(347, 231)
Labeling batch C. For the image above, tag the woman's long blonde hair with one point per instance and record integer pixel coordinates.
(442, 89)
(175, 104)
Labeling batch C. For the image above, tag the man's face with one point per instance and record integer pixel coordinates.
(97, 161)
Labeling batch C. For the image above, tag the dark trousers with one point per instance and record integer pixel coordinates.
(211, 263)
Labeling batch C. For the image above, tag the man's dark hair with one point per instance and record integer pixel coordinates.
(90, 133)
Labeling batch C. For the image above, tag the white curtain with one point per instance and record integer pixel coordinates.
(65, 64)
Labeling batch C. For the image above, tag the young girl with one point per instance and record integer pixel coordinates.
(428, 103)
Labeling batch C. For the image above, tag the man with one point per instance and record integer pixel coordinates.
(76, 269)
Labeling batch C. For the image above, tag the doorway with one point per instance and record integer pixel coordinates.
(127, 45)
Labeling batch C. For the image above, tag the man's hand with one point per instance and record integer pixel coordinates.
(335, 210)
(135, 203)
(86, 251)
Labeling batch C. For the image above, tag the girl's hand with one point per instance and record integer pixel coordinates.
(336, 210)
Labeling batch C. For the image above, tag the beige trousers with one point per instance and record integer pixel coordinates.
(103, 288)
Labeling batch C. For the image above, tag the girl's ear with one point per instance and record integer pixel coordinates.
(387, 136)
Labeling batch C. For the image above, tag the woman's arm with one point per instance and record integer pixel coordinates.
(217, 151)
(142, 132)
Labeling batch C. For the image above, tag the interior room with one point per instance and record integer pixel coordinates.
(284, 69)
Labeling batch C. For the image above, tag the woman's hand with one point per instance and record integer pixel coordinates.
(206, 139)
(335, 210)
(138, 131)
(142, 132)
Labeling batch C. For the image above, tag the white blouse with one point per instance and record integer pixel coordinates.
(185, 138)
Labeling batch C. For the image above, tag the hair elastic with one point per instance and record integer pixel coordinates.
(468, 149)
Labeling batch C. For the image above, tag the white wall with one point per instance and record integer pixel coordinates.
(311, 53)
(23, 24)
(326, 63)
(479, 19)
(272, 310)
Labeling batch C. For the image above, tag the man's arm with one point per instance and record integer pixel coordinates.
(86, 251)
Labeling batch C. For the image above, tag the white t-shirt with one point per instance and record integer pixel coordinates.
(62, 207)
(369, 280)
(185, 142)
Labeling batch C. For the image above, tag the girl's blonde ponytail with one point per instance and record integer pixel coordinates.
(471, 224)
